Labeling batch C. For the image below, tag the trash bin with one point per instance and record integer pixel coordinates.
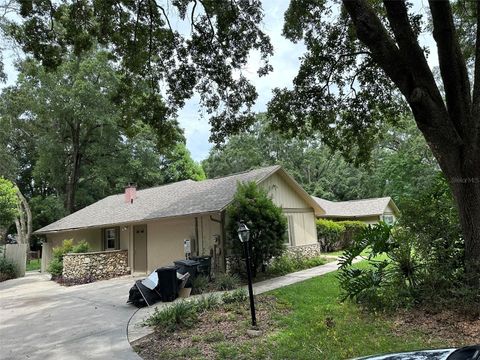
(167, 283)
(190, 266)
(205, 266)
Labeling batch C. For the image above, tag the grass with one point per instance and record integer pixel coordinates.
(320, 327)
(33, 264)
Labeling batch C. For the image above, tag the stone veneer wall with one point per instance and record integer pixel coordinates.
(95, 265)
(310, 250)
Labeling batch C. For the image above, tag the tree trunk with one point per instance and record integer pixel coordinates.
(23, 222)
(467, 195)
(71, 185)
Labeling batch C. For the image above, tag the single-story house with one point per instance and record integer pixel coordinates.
(157, 225)
(370, 211)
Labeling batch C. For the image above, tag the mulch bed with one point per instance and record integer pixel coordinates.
(455, 329)
(228, 323)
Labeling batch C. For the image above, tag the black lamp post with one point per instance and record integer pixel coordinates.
(244, 236)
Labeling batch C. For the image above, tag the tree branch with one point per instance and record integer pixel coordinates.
(410, 50)
(452, 67)
(430, 113)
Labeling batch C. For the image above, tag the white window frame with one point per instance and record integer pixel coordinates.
(107, 237)
(290, 231)
(389, 219)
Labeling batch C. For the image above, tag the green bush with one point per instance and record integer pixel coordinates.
(227, 281)
(289, 263)
(7, 270)
(81, 247)
(55, 267)
(391, 278)
(235, 296)
(337, 235)
(199, 284)
(266, 221)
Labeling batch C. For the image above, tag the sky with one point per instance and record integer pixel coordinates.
(285, 62)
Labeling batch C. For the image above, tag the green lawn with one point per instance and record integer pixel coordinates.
(33, 264)
(320, 327)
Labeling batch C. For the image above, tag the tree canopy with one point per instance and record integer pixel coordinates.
(8, 203)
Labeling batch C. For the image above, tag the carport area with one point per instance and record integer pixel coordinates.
(40, 319)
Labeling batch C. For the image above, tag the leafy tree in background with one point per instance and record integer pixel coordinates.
(267, 224)
(8, 203)
(178, 165)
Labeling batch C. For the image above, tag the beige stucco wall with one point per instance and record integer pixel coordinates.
(295, 206)
(165, 240)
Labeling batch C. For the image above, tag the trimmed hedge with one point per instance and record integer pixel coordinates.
(337, 235)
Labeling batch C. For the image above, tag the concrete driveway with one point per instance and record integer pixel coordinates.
(40, 319)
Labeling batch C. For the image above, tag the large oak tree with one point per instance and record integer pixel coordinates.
(360, 55)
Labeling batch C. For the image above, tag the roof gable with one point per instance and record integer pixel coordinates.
(357, 208)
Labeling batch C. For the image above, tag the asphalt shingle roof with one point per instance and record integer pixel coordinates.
(186, 197)
(354, 208)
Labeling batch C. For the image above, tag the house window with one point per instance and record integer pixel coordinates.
(110, 240)
(290, 231)
(389, 219)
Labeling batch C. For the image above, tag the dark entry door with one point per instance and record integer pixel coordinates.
(140, 248)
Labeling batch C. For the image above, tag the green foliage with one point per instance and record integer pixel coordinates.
(81, 247)
(267, 224)
(179, 314)
(33, 264)
(225, 281)
(236, 296)
(182, 62)
(199, 284)
(289, 263)
(8, 202)
(55, 267)
(207, 302)
(178, 165)
(391, 280)
(7, 269)
(337, 235)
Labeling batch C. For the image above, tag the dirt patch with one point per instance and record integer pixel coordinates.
(452, 328)
(223, 325)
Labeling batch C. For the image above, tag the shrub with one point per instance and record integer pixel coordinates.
(266, 221)
(7, 270)
(183, 313)
(227, 281)
(55, 267)
(337, 235)
(81, 247)
(199, 284)
(179, 314)
(289, 263)
(207, 302)
(391, 278)
(235, 296)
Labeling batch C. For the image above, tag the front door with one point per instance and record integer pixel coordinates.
(140, 248)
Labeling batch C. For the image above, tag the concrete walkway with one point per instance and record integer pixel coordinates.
(40, 319)
(136, 330)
